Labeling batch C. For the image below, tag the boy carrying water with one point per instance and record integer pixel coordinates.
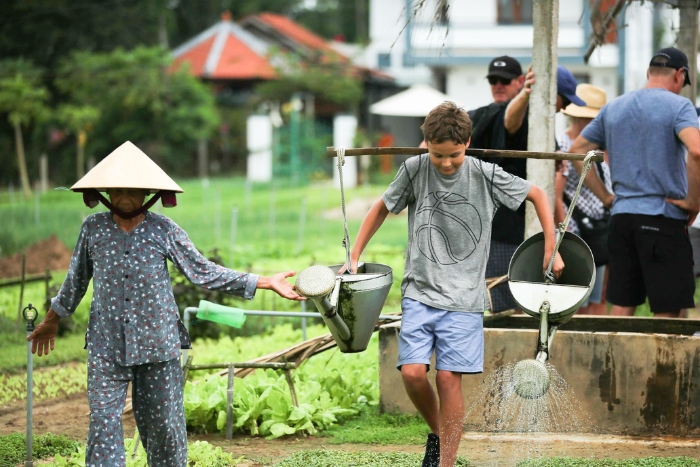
(451, 200)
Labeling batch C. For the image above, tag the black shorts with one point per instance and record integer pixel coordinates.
(650, 256)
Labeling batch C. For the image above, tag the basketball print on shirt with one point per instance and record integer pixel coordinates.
(444, 212)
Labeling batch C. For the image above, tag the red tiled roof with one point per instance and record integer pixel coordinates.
(225, 51)
(196, 57)
(237, 61)
(297, 32)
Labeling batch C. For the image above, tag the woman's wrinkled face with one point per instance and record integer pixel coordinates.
(127, 199)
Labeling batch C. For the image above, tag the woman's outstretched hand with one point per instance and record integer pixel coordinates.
(278, 283)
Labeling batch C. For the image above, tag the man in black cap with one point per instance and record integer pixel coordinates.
(509, 226)
(657, 193)
(506, 78)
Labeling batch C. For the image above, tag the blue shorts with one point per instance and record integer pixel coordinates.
(456, 337)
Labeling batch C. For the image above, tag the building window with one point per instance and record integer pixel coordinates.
(514, 11)
(384, 61)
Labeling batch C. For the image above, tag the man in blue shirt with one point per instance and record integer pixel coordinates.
(657, 193)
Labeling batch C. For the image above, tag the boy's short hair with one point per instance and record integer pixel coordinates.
(447, 122)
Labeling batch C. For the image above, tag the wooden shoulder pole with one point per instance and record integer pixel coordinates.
(551, 156)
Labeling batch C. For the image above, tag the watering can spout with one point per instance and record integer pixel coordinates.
(349, 303)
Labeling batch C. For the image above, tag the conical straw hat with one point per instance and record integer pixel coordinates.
(127, 167)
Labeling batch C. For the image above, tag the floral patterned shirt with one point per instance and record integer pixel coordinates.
(133, 314)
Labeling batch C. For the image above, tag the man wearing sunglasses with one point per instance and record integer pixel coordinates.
(506, 79)
(509, 226)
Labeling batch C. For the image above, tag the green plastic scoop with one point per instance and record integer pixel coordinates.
(234, 317)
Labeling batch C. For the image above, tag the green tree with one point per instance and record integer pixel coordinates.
(23, 98)
(140, 98)
(78, 120)
(325, 76)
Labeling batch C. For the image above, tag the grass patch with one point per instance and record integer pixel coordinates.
(586, 462)
(13, 447)
(353, 459)
(371, 427)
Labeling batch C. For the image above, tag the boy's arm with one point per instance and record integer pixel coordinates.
(581, 146)
(544, 213)
(371, 223)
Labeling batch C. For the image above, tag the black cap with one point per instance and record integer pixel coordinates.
(671, 57)
(505, 67)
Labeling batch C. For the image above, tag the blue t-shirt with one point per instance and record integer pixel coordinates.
(647, 159)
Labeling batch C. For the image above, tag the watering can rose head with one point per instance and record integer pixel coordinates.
(129, 175)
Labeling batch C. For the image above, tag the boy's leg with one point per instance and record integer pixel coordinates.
(449, 386)
(419, 390)
(416, 344)
(459, 349)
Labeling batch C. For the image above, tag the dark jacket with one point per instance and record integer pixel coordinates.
(488, 132)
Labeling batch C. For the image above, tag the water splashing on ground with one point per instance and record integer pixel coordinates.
(499, 408)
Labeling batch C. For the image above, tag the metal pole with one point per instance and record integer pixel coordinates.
(271, 219)
(303, 321)
(37, 208)
(229, 404)
(234, 228)
(288, 314)
(302, 221)
(30, 314)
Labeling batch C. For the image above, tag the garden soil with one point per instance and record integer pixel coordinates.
(69, 416)
(49, 254)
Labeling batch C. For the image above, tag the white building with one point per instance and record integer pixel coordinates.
(453, 57)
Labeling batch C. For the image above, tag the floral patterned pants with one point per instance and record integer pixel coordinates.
(158, 411)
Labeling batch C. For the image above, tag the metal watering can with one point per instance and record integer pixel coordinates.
(349, 304)
(540, 297)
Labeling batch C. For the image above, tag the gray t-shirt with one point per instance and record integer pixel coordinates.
(647, 159)
(449, 228)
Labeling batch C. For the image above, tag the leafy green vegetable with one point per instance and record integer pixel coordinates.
(13, 447)
(329, 387)
(199, 454)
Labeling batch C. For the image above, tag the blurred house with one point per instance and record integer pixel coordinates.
(451, 50)
(237, 56)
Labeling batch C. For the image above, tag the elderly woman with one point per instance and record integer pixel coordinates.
(134, 332)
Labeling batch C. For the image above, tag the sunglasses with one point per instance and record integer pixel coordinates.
(494, 80)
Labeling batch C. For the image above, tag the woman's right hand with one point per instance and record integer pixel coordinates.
(44, 335)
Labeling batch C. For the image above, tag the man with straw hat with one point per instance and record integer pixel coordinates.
(133, 332)
(653, 145)
(590, 217)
